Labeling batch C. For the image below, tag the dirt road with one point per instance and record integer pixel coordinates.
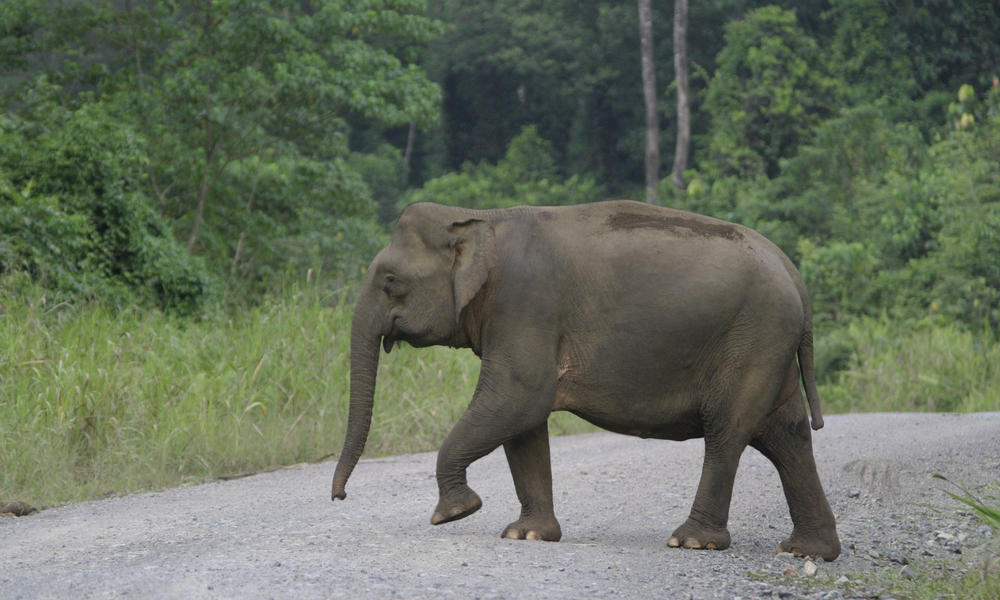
(278, 535)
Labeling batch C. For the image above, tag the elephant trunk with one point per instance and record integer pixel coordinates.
(365, 337)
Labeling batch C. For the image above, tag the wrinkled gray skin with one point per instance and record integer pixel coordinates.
(642, 320)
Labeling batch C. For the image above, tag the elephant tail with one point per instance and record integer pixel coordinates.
(805, 352)
(808, 373)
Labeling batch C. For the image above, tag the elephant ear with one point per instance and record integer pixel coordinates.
(474, 256)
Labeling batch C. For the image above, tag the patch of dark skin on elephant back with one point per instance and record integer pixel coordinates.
(629, 221)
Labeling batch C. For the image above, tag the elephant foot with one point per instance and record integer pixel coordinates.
(456, 505)
(697, 536)
(534, 528)
(824, 545)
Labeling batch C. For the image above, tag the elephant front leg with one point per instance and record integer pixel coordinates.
(459, 450)
(531, 468)
(475, 435)
(511, 406)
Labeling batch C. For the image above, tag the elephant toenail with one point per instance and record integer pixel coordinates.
(674, 542)
(532, 535)
(512, 534)
(711, 546)
(692, 544)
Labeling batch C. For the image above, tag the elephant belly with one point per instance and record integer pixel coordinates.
(643, 340)
(629, 407)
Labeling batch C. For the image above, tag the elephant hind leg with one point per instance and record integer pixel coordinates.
(733, 407)
(786, 441)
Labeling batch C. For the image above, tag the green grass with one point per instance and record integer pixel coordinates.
(894, 366)
(926, 580)
(985, 505)
(96, 401)
(938, 584)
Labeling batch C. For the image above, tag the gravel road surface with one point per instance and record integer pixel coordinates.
(278, 535)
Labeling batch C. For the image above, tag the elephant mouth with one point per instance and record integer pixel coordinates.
(397, 335)
(389, 340)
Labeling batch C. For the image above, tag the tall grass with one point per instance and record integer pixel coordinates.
(94, 400)
(893, 366)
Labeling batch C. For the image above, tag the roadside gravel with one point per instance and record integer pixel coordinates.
(277, 535)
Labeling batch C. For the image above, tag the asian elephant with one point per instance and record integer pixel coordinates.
(643, 320)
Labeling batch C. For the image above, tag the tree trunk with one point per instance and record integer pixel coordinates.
(683, 106)
(199, 214)
(136, 49)
(649, 92)
(243, 235)
(410, 137)
(199, 211)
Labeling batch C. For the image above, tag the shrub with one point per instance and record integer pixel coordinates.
(74, 216)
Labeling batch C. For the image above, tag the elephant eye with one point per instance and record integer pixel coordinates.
(391, 285)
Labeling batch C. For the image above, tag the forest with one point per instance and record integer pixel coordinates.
(189, 188)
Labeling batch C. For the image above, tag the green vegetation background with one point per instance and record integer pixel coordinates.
(189, 189)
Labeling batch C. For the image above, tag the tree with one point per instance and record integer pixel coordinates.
(247, 78)
(768, 91)
(683, 106)
(241, 110)
(649, 94)
(526, 174)
(569, 67)
(906, 50)
(507, 63)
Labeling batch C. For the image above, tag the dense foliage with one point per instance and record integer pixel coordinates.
(184, 153)
(223, 125)
(74, 215)
(526, 174)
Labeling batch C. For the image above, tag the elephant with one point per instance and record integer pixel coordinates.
(642, 320)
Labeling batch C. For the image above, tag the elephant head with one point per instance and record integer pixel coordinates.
(415, 290)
